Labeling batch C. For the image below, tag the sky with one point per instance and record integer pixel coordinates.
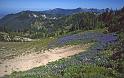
(14, 5)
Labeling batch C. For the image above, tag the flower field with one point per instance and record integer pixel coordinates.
(90, 62)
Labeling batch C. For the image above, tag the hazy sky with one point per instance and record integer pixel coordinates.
(9, 5)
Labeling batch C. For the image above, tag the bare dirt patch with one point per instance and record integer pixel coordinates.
(26, 62)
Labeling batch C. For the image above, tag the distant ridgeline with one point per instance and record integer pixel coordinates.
(38, 24)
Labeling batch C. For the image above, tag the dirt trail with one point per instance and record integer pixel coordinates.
(32, 60)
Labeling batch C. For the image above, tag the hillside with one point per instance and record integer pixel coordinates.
(34, 24)
(32, 60)
(73, 11)
(73, 44)
(24, 20)
(91, 56)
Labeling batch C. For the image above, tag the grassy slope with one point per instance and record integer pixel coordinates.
(90, 64)
(10, 49)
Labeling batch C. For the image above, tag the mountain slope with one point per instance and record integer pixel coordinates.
(24, 20)
(72, 11)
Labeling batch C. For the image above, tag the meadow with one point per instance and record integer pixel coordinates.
(83, 65)
(9, 50)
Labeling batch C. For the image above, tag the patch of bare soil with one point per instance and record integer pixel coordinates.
(26, 62)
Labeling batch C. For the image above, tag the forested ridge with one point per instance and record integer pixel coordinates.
(38, 24)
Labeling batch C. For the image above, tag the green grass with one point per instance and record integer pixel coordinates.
(98, 30)
(73, 71)
(88, 71)
(10, 49)
(121, 35)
